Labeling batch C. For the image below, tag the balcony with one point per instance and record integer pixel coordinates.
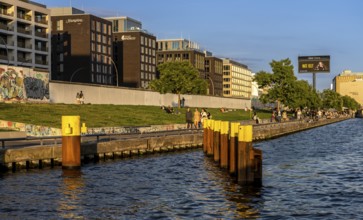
(24, 60)
(24, 45)
(41, 20)
(24, 31)
(6, 27)
(24, 17)
(5, 12)
(41, 34)
(41, 62)
(41, 48)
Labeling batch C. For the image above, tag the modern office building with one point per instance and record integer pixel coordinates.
(134, 52)
(82, 48)
(214, 74)
(25, 34)
(351, 84)
(237, 79)
(124, 24)
(182, 50)
(135, 57)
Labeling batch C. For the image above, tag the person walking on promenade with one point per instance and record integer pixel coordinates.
(182, 102)
(77, 98)
(81, 97)
(203, 115)
(189, 118)
(196, 118)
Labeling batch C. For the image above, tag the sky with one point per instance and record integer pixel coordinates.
(252, 32)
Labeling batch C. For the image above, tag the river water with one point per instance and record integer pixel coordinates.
(314, 174)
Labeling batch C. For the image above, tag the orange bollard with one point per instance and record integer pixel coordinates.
(233, 143)
(245, 166)
(205, 135)
(224, 144)
(71, 142)
(210, 139)
(216, 140)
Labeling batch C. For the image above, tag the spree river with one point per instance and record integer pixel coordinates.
(314, 174)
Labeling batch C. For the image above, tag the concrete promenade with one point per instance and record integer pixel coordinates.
(51, 155)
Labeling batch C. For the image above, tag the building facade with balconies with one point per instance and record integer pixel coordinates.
(25, 34)
(237, 79)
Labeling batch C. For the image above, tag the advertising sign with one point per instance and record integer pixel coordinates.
(314, 64)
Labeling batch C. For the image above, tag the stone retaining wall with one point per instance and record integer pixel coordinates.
(41, 156)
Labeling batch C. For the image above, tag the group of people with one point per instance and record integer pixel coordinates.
(80, 98)
(196, 120)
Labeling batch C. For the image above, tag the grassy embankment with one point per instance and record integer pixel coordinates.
(107, 115)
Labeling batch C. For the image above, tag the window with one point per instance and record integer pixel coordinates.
(115, 26)
(60, 25)
(175, 45)
(61, 68)
(104, 28)
(98, 25)
(61, 57)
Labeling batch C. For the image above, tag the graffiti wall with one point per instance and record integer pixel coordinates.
(41, 131)
(23, 84)
(31, 130)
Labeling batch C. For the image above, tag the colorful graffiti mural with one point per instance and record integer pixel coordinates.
(41, 131)
(23, 84)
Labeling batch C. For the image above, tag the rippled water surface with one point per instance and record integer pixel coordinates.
(315, 174)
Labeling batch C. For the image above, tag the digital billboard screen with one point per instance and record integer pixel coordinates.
(314, 64)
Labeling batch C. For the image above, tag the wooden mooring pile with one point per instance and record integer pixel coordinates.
(230, 145)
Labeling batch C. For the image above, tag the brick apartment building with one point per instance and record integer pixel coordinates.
(82, 47)
(134, 52)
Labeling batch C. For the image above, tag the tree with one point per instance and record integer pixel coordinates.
(304, 96)
(331, 99)
(178, 78)
(350, 103)
(280, 83)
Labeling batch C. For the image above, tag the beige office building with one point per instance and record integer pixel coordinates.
(237, 79)
(181, 50)
(25, 34)
(350, 84)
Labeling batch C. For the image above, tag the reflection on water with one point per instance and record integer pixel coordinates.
(71, 187)
(311, 174)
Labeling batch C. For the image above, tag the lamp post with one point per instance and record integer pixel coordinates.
(114, 65)
(211, 82)
(76, 71)
(6, 47)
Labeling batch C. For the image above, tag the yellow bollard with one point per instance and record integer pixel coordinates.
(71, 142)
(245, 166)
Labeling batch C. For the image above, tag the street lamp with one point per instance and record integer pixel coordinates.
(114, 65)
(76, 71)
(207, 76)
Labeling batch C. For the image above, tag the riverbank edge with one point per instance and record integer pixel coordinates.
(49, 156)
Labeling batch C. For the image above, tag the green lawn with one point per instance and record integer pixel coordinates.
(106, 115)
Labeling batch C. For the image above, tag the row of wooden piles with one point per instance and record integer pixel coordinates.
(230, 145)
